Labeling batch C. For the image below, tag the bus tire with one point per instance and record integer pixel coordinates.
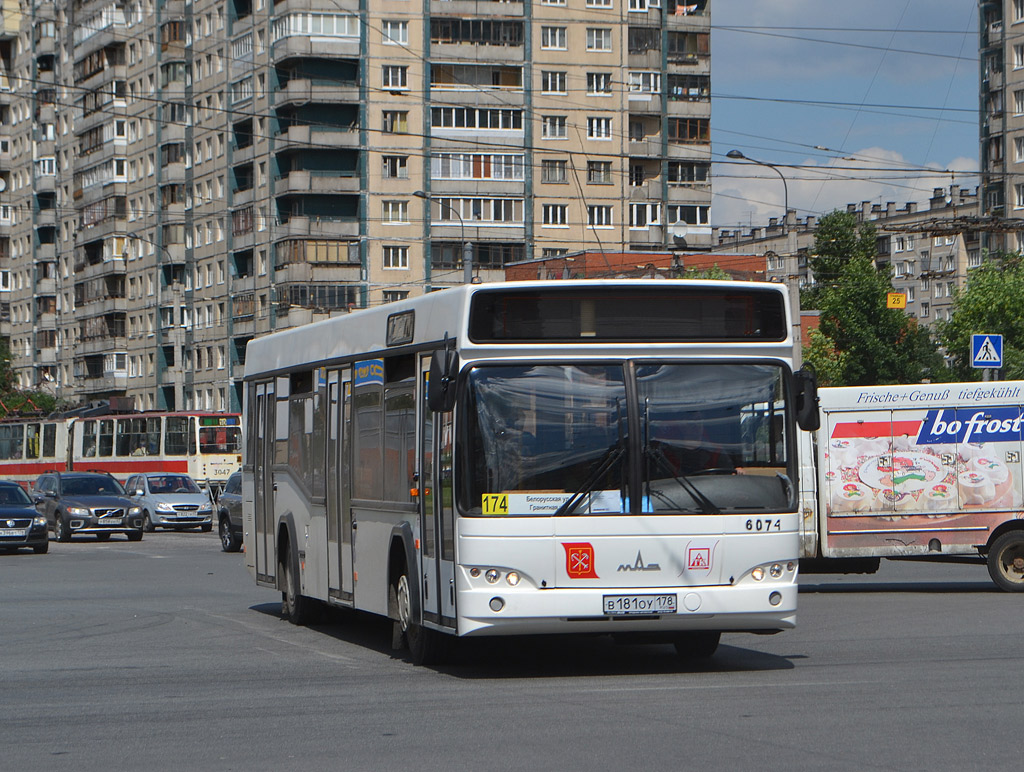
(295, 607)
(699, 644)
(61, 529)
(1006, 561)
(426, 647)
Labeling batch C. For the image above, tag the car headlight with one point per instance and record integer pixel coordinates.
(207, 510)
(78, 511)
(39, 520)
(135, 511)
(165, 509)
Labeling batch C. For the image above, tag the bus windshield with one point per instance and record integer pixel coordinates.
(564, 439)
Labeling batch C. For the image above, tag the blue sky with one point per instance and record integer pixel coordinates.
(882, 146)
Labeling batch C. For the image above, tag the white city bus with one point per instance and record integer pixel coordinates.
(522, 458)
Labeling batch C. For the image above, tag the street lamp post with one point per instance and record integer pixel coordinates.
(467, 247)
(785, 188)
(794, 287)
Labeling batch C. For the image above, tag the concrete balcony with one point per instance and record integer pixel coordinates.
(304, 91)
(301, 226)
(479, 9)
(303, 45)
(299, 182)
(320, 136)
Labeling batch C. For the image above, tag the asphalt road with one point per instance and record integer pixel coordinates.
(164, 655)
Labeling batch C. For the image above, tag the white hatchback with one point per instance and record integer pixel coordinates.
(170, 500)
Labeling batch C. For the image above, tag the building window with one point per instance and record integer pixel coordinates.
(550, 252)
(390, 296)
(925, 310)
(599, 39)
(476, 166)
(689, 130)
(553, 171)
(599, 128)
(687, 173)
(644, 82)
(599, 172)
(396, 122)
(395, 32)
(599, 216)
(1019, 196)
(555, 215)
(394, 77)
(396, 167)
(553, 127)
(396, 258)
(395, 211)
(552, 82)
(599, 83)
(599, 3)
(554, 38)
(642, 216)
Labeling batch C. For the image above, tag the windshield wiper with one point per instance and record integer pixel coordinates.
(613, 454)
(707, 506)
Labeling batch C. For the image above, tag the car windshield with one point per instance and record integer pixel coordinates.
(14, 495)
(173, 483)
(92, 486)
(665, 438)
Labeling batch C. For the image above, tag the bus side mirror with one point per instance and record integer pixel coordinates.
(444, 368)
(805, 383)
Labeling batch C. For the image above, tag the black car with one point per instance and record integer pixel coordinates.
(229, 514)
(86, 503)
(20, 524)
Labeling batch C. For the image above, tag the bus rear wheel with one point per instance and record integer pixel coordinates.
(697, 645)
(426, 647)
(1006, 561)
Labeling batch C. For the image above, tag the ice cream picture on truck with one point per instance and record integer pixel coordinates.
(913, 471)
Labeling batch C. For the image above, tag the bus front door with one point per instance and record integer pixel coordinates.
(436, 544)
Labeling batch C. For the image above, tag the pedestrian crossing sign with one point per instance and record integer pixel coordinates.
(987, 350)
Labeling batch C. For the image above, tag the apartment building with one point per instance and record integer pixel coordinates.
(929, 250)
(1001, 130)
(180, 176)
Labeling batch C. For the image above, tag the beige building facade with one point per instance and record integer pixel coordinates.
(180, 177)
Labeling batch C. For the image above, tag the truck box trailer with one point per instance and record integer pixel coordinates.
(926, 471)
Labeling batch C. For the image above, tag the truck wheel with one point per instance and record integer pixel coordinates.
(426, 647)
(1006, 561)
(295, 607)
(697, 645)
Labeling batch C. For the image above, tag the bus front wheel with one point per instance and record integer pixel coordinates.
(295, 607)
(697, 645)
(1006, 561)
(425, 646)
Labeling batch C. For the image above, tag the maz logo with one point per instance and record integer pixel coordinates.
(639, 565)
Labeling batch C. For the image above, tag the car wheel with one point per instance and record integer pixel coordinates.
(41, 549)
(147, 524)
(61, 529)
(134, 535)
(103, 537)
(228, 541)
(206, 527)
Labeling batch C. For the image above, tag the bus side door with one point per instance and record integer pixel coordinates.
(339, 511)
(263, 479)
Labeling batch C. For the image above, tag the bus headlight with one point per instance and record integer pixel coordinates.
(757, 574)
(512, 578)
(775, 570)
(492, 575)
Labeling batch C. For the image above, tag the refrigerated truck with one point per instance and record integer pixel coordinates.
(925, 471)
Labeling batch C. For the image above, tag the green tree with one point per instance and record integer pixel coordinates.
(14, 401)
(860, 341)
(714, 272)
(838, 239)
(992, 302)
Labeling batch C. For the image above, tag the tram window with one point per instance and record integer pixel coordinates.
(89, 439)
(32, 441)
(106, 443)
(11, 441)
(49, 440)
(176, 442)
(138, 436)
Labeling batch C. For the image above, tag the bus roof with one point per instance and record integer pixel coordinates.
(429, 318)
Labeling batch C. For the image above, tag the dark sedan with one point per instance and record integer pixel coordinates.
(21, 525)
